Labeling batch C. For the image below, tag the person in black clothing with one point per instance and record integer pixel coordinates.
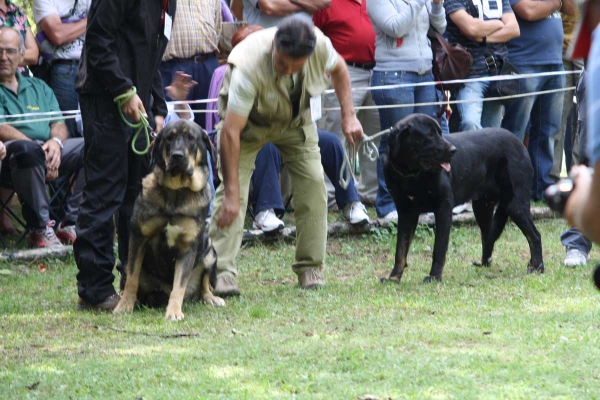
(125, 42)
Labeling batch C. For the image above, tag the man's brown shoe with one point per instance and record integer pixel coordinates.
(226, 287)
(108, 304)
(311, 278)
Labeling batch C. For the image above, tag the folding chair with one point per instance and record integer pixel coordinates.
(58, 196)
(5, 208)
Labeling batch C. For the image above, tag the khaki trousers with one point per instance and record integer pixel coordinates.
(301, 157)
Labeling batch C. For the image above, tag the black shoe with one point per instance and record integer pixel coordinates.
(108, 304)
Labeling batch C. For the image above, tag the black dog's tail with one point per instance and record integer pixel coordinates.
(597, 276)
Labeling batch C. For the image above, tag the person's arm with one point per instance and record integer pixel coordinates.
(509, 31)
(179, 90)
(278, 8)
(9, 132)
(100, 37)
(32, 53)
(159, 105)
(340, 80)
(535, 10)
(61, 33)
(312, 6)
(237, 8)
(437, 16)
(395, 23)
(229, 157)
(474, 28)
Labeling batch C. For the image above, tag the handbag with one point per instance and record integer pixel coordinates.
(450, 61)
(508, 87)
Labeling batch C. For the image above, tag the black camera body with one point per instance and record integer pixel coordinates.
(556, 195)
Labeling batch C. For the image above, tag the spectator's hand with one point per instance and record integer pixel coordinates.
(352, 130)
(229, 212)
(51, 175)
(53, 152)
(2, 151)
(159, 120)
(438, 1)
(133, 107)
(582, 178)
(180, 87)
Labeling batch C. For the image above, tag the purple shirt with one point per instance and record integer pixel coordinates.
(226, 12)
(212, 118)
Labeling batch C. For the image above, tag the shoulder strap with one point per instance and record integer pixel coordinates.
(72, 11)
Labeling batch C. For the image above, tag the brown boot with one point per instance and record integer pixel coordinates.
(311, 278)
(108, 304)
(226, 287)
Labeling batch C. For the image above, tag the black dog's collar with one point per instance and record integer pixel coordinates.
(403, 174)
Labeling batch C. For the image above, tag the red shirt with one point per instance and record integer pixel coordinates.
(347, 24)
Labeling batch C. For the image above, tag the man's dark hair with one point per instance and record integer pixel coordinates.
(295, 37)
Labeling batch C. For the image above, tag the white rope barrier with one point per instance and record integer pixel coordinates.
(455, 81)
(74, 113)
(515, 96)
(26, 121)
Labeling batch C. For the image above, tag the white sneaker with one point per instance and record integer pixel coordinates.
(393, 216)
(460, 208)
(575, 257)
(356, 213)
(267, 221)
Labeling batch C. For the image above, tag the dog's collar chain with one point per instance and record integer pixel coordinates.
(403, 174)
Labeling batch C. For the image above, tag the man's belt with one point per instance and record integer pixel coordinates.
(64, 61)
(198, 58)
(367, 66)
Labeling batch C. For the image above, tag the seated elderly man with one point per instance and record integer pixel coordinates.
(36, 152)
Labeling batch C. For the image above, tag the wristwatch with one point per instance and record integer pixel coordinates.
(57, 140)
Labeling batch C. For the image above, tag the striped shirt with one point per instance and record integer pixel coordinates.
(196, 29)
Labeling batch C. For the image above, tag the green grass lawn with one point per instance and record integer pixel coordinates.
(481, 334)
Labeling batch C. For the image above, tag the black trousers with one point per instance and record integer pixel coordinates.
(113, 181)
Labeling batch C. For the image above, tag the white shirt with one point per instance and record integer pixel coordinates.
(62, 8)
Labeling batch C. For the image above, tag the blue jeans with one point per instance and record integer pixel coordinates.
(477, 114)
(573, 238)
(201, 72)
(388, 117)
(266, 193)
(62, 82)
(543, 113)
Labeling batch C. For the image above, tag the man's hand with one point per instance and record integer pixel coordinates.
(230, 209)
(51, 176)
(133, 107)
(159, 120)
(352, 130)
(2, 151)
(53, 152)
(180, 86)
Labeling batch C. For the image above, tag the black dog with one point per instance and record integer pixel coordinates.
(426, 172)
(170, 254)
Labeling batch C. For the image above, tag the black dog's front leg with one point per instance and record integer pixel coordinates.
(407, 224)
(443, 223)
